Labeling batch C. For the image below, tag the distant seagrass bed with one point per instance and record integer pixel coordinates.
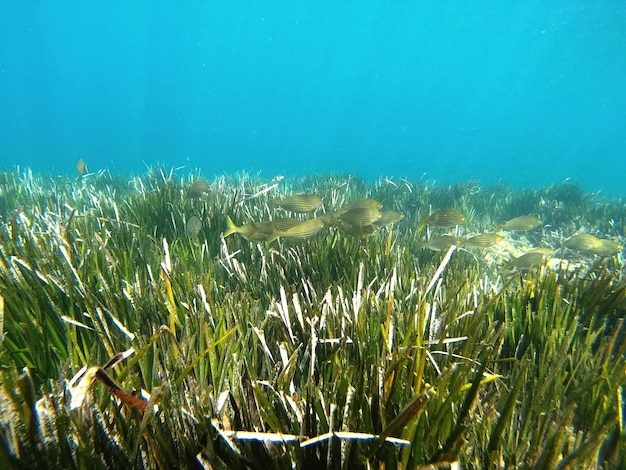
(168, 320)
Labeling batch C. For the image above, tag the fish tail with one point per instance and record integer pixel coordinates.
(422, 224)
(232, 228)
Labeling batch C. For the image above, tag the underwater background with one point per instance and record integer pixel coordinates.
(528, 93)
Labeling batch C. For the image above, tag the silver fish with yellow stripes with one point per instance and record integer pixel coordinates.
(285, 223)
(520, 224)
(198, 189)
(360, 216)
(193, 226)
(388, 218)
(330, 219)
(442, 242)
(361, 232)
(529, 259)
(607, 247)
(364, 203)
(266, 230)
(81, 167)
(300, 203)
(247, 230)
(582, 242)
(442, 218)
(484, 240)
(302, 231)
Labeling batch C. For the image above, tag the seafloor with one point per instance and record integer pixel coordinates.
(134, 333)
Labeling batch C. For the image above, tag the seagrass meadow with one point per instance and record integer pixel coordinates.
(129, 341)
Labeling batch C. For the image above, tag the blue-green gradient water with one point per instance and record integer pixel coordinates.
(524, 92)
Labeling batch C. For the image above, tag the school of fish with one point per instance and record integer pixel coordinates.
(364, 217)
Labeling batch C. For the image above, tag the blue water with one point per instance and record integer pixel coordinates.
(525, 92)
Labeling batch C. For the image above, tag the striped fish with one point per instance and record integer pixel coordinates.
(193, 226)
(197, 189)
(302, 231)
(484, 240)
(300, 203)
(360, 216)
(442, 218)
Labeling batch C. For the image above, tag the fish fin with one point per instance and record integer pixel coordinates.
(232, 228)
(274, 236)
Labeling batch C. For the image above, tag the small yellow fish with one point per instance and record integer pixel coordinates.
(484, 240)
(582, 242)
(285, 223)
(246, 230)
(543, 250)
(364, 203)
(302, 231)
(300, 203)
(264, 231)
(360, 216)
(330, 219)
(197, 189)
(442, 242)
(267, 230)
(361, 232)
(526, 261)
(607, 247)
(193, 226)
(442, 218)
(388, 218)
(81, 167)
(521, 223)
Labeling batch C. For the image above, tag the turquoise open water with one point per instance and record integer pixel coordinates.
(525, 92)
